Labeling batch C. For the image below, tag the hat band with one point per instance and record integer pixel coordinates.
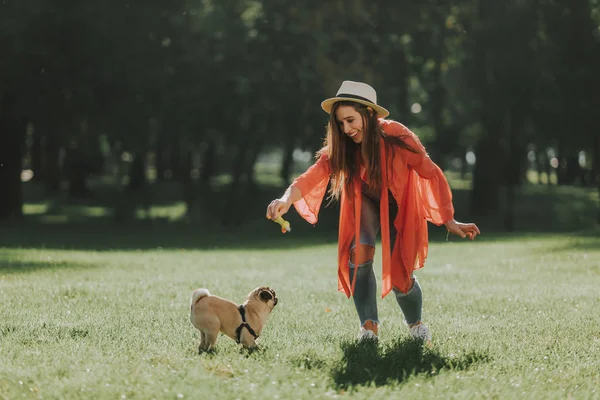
(354, 97)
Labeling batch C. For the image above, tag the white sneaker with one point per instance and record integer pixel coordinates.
(421, 331)
(366, 334)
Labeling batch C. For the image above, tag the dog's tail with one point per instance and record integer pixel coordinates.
(197, 295)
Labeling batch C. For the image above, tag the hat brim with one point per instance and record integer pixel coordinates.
(326, 105)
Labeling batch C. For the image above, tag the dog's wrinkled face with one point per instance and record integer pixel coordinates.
(265, 295)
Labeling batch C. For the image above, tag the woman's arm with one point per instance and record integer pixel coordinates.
(282, 205)
(305, 193)
(435, 192)
(434, 188)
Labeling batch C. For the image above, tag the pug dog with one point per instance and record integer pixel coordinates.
(244, 323)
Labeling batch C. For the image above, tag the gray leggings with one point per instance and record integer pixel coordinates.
(365, 291)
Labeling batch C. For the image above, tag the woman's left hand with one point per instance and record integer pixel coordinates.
(463, 230)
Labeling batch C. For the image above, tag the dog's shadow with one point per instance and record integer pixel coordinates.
(215, 351)
(367, 362)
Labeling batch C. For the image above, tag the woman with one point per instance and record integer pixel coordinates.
(380, 172)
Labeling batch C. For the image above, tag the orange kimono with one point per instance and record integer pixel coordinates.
(421, 192)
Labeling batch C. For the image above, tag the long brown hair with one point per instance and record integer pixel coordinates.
(342, 151)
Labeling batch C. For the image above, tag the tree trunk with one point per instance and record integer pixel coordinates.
(486, 176)
(175, 162)
(509, 212)
(492, 97)
(596, 166)
(401, 65)
(77, 171)
(464, 165)
(231, 214)
(137, 174)
(515, 163)
(160, 156)
(209, 163)
(512, 179)
(253, 157)
(189, 194)
(438, 97)
(52, 174)
(548, 168)
(540, 164)
(288, 159)
(11, 153)
(36, 153)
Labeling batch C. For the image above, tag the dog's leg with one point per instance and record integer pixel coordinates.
(254, 348)
(248, 341)
(210, 339)
(203, 344)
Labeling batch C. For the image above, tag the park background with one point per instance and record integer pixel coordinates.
(140, 144)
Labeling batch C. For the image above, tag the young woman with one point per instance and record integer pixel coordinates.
(380, 172)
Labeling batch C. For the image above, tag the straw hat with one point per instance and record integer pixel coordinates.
(358, 92)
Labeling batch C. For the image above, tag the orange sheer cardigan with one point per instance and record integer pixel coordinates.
(421, 191)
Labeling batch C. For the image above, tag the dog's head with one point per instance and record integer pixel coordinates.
(264, 295)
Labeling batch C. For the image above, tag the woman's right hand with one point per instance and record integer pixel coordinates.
(277, 207)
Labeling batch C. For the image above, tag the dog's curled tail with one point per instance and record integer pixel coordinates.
(197, 295)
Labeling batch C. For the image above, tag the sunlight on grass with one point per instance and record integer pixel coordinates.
(223, 179)
(510, 318)
(457, 182)
(55, 219)
(535, 177)
(35, 208)
(64, 213)
(272, 179)
(90, 211)
(171, 212)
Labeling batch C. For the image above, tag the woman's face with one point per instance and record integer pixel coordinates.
(350, 122)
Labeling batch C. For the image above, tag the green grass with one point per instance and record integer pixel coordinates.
(105, 315)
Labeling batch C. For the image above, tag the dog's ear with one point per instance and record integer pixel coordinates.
(265, 295)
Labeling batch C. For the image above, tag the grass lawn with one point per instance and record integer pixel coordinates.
(511, 316)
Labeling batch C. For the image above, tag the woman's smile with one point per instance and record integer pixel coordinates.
(350, 122)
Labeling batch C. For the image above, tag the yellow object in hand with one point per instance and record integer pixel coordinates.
(285, 226)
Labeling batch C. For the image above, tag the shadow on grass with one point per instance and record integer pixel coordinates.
(9, 266)
(44, 333)
(159, 237)
(263, 235)
(578, 243)
(367, 363)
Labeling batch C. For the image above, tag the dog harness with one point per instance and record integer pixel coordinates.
(244, 324)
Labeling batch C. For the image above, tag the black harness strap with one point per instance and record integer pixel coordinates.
(244, 324)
